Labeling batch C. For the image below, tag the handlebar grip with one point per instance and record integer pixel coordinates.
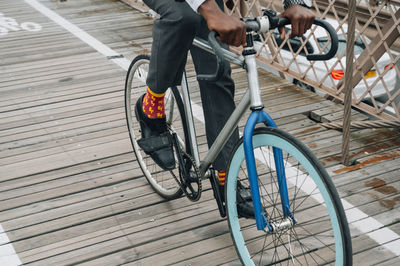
(215, 45)
(332, 33)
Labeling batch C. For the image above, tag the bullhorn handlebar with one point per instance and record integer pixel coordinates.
(263, 24)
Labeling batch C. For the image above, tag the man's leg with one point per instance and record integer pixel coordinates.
(217, 97)
(218, 104)
(173, 34)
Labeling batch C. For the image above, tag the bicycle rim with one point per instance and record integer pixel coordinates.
(320, 235)
(162, 181)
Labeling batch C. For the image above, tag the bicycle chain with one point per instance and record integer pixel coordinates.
(192, 196)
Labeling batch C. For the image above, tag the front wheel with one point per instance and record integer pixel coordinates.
(320, 234)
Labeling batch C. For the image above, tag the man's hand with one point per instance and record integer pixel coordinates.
(301, 19)
(231, 30)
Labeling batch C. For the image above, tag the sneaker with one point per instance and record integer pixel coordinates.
(245, 207)
(156, 140)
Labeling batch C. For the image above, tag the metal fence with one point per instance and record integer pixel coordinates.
(376, 71)
(375, 82)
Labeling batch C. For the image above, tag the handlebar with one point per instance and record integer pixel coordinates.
(263, 24)
(219, 52)
(332, 33)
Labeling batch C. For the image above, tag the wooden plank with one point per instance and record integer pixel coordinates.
(79, 144)
(393, 261)
(71, 174)
(58, 107)
(105, 104)
(143, 209)
(364, 143)
(65, 159)
(143, 253)
(112, 233)
(34, 133)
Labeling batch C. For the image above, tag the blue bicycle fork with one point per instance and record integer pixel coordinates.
(258, 115)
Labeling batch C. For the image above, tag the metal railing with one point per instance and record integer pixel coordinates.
(376, 75)
(376, 86)
(365, 73)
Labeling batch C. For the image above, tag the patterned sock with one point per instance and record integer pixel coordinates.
(153, 104)
(221, 177)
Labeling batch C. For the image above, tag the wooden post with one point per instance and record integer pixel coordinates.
(348, 82)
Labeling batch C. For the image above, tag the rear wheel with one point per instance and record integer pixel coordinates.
(162, 181)
(320, 234)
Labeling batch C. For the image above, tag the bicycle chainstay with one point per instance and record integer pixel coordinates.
(188, 173)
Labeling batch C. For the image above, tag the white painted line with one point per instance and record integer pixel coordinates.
(357, 218)
(393, 246)
(79, 33)
(372, 227)
(8, 256)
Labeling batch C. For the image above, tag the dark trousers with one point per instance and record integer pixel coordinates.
(173, 34)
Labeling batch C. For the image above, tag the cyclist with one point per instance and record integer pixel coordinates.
(173, 33)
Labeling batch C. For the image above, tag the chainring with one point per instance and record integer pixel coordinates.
(190, 185)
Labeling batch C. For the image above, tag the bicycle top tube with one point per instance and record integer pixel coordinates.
(228, 55)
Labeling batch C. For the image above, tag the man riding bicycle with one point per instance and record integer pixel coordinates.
(173, 33)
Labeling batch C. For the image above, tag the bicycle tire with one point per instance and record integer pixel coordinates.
(163, 182)
(315, 239)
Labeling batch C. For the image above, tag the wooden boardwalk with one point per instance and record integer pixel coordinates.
(70, 188)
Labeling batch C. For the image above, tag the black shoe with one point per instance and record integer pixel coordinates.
(245, 205)
(156, 140)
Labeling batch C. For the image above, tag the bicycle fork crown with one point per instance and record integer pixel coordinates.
(256, 117)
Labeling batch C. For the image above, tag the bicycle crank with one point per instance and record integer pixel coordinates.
(189, 174)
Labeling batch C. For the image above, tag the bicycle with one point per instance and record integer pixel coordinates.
(299, 218)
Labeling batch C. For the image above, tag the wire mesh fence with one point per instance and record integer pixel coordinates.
(375, 82)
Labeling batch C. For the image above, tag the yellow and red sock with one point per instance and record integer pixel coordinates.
(153, 104)
(221, 177)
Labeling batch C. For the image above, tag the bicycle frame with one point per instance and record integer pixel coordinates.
(251, 99)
